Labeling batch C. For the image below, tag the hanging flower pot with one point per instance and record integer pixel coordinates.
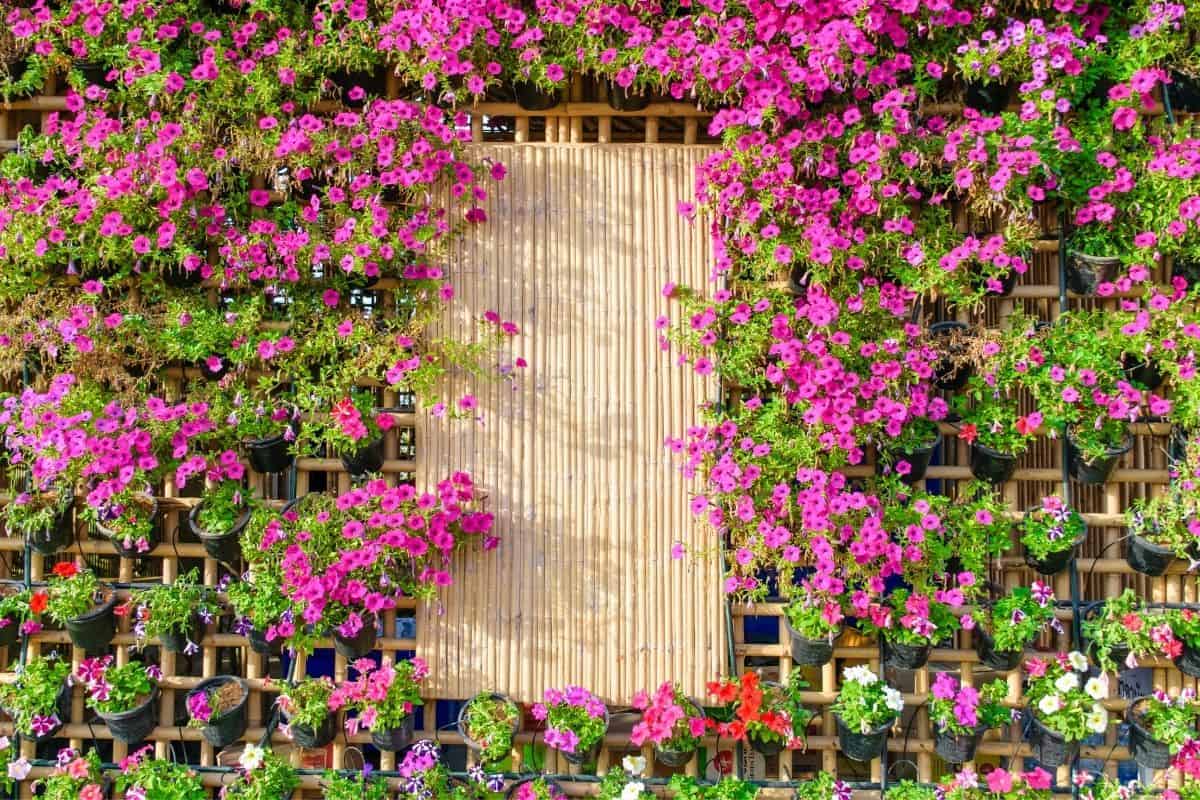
(94, 630)
(63, 708)
(674, 758)
(862, 746)
(530, 97)
(1188, 661)
(113, 528)
(991, 465)
(948, 374)
(1189, 270)
(1085, 273)
(987, 98)
(494, 707)
(136, 724)
(176, 641)
(989, 656)
(259, 644)
(760, 745)
(1096, 471)
(1141, 370)
(1054, 563)
(314, 738)
(1147, 557)
(366, 459)
(225, 696)
(361, 643)
(225, 547)
(1050, 749)
(1183, 93)
(810, 652)
(1177, 446)
(59, 533)
(1145, 749)
(905, 656)
(621, 99)
(269, 456)
(957, 748)
(917, 458)
(395, 739)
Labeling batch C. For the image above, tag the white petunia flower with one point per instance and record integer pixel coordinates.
(633, 790)
(1097, 719)
(1096, 688)
(634, 765)
(893, 699)
(1066, 682)
(861, 674)
(1078, 661)
(252, 757)
(1049, 704)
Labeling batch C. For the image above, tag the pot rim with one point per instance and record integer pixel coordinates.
(219, 680)
(123, 715)
(233, 531)
(98, 611)
(461, 722)
(788, 624)
(873, 732)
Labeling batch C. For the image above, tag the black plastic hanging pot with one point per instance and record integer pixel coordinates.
(134, 725)
(905, 656)
(1096, 471)
(948, 375)
(810, 652)
(589, 755)
(760, 745)
(474, 746)
(312, 738)
(1183, 93)
(1187, 269)
(918, 461)
(222, 731)
(1177, 446)
(259, 644)
(621, 99)
(10, 633)
(1145, 749)
(225, 547)
(152, 536)
(94, 630)
(1053, 563)
(956, 748)
(673, 758)
(1147, 557)
(1050, 749)
(531, 98)
(1142, 371)
(57, 536)
(358, 645)
(1085, 273)
(396, 739)
(1189, 661)
(986, 98)
(991, 465)
(269, 456)
(366, 459)
(989, 656)
(862, 746)
(176, 641)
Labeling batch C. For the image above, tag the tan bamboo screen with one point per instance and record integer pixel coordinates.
(582, 235)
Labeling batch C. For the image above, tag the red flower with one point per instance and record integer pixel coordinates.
(1024, 428)
(123, 608)
(968, 432)
(37, 603)
(726, 692)
(66, 569)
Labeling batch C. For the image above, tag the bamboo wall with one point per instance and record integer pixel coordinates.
(581, 236)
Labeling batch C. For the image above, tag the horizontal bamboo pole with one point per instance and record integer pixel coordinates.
(214, 640)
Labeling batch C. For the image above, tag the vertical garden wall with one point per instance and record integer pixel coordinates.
(797, 393)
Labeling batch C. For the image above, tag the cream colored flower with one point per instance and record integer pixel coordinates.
(1096, 688)
(1097, 719)
(1067, 682)
(252, 757)
(1078, 661)
(634, 765)
(633, 790)
(1049, 704)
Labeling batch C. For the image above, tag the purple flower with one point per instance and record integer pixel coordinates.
(495, 783)
(42, 725)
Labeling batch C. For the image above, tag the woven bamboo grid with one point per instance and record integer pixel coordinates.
(757, 634)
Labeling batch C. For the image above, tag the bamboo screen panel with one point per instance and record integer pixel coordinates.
(579, 241)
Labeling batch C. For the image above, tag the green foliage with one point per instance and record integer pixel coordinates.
(73, 596)
(1170, 720)
(489, 720)
(172, 608)
(271, 779)
(63, 785)
(158, 779)
(1121, 622)
(128, 687)
(222, 507)
(306, 702)
(355, 786)
(1049, 530)
(35, 692)
(1015, 620)
(686, 787)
